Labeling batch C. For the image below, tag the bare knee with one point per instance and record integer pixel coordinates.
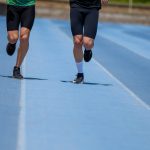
(78, 41)
(24, 35)
(24, 38)
(88, 43)
(12, 37)
(24, 41)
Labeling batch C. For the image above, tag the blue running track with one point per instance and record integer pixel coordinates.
(45, 111)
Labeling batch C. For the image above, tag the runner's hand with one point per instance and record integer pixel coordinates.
(104, 2)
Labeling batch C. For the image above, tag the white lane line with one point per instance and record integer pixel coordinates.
(122, 85)
(21, 143)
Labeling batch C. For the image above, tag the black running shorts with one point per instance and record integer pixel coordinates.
(17, 15)
(84, 21)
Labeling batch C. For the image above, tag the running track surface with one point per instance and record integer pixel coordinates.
(45, 111)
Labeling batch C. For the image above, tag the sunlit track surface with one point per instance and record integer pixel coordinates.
(110, 111)
(124, 50)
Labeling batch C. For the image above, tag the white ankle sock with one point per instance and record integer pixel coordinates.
(79, 67)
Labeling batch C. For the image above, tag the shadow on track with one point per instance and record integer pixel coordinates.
(26, 78)
(88, 83)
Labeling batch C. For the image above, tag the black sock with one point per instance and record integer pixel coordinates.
(80, 74)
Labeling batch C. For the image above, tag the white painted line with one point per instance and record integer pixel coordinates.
(122, 85)
(21, 123)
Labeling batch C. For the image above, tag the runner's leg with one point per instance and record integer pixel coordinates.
(12, 21)
(90, 30)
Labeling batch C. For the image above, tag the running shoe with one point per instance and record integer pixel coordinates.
(10, 49)
(87, 55)
(79, 78)
(16, 73)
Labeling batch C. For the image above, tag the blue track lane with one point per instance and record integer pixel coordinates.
(45, 111)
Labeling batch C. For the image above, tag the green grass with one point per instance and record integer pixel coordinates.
(135, 2)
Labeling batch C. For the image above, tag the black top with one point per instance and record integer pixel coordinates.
(86, 3)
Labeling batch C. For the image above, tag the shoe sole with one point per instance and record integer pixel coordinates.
(18, 78)
(10, 52)
(78, 83)
(89, 58)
